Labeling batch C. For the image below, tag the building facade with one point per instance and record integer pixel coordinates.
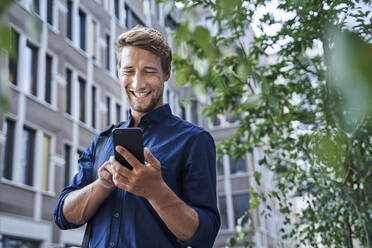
(64, 89)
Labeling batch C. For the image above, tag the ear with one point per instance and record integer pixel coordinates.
(167, 75)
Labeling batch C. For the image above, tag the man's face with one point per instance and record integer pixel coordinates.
(142, 79)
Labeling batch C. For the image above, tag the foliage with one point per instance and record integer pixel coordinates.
(304, 92)
(4, 49)
(241, 237)
(33, 27)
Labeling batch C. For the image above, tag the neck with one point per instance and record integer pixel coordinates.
(136, 118)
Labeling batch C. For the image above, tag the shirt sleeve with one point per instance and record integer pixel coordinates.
(80, 180)
(199, 188)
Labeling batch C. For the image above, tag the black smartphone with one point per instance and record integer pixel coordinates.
(131, 139)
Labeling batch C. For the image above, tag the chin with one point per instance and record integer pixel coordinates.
(143, 108)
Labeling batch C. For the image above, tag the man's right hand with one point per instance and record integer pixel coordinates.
(105, 177)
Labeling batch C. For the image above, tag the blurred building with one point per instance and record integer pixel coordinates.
(64, 90)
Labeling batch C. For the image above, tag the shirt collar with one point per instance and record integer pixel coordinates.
(152, 117)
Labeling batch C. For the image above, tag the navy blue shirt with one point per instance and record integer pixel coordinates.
(188, 165)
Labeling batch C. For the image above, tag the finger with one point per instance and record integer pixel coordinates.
(120, 181)
(122, 185)
(105, 174)
(105, 164)
(118, 168)
(132, 160)
(151, 159)
(104, 168)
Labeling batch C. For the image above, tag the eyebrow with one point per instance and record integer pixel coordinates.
(146, 68)
(127, 67)
(150, 68)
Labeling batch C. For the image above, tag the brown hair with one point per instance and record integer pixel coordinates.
(148, 39)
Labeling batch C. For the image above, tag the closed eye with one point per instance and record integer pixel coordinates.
(127, 72)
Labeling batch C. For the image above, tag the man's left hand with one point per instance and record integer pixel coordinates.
(144, 180)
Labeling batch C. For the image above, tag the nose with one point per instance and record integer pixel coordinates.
(138, 82)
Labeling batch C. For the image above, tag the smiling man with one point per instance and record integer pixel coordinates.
(170, 200)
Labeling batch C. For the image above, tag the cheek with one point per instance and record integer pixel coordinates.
(124, 82)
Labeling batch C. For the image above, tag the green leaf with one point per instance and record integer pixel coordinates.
(6, 40)
(4, 5)
(252, 101)
(231, 241)
(257, 177)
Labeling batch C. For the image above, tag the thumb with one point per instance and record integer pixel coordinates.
(151, 159)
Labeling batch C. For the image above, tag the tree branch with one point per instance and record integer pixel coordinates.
(349, 235)
(304, 67)
(272, 122)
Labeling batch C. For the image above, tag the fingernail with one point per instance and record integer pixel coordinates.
(118, 148)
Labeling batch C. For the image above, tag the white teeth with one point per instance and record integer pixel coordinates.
(142, 94)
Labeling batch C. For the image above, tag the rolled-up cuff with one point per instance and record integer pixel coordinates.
(205, 234)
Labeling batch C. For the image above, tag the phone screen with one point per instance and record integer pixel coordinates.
(131, 139)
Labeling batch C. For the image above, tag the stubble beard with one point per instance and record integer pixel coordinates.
(149, 107)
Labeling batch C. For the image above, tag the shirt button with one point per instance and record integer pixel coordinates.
(116, 215)
(112, 244)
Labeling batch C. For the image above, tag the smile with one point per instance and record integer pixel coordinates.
(140, 94)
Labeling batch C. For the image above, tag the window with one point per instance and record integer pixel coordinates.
(223, 211)
(69, 19)
(68, 93)
(30, 72)
(136, 21)
(93, 39)
(67, 164)
(237, 167)
(27, 156)
(108, 106)
(168, 96)
(116, 68)
(81, 95)
(241, 206)
(170, 22)
(194, 112)
(94, 106)
(231, 118)
(76, 164)
(118, 113)
(220, 171)
(108, 50)
(33, 6)
(82, 26)
(216, 120)
(48, 78)
(131, 19)
(183, 112)
(12, 242)
(50, 4)
(45, 163)
(9, 129)
(116, 6)
(13, 57)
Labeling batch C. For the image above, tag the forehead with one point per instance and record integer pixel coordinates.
(135, 56)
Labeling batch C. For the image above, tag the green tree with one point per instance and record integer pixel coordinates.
(5, 48)
(309, 105)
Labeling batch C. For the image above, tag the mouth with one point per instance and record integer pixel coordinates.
(140, 94)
